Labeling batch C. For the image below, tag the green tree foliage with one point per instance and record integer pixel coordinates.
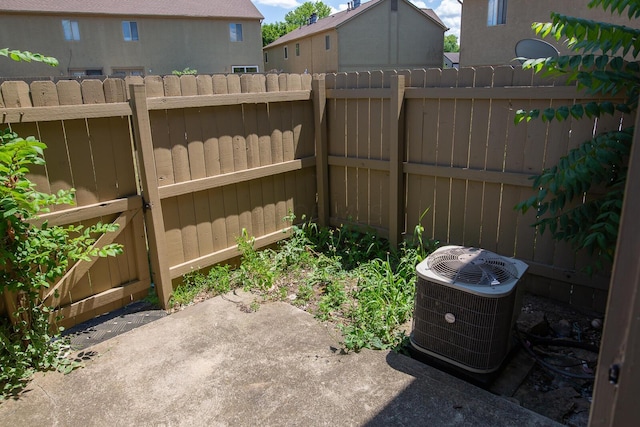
(451, 43)
(294, 19)
(300, 15)
(272, 32)
(601, 65)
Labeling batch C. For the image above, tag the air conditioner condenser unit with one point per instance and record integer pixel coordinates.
(464, 307)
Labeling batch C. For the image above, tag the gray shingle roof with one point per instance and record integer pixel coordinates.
(191, 8)
(337, 19)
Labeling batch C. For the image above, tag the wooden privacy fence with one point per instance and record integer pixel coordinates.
(399, 144)
(216, 155)
(184, 164)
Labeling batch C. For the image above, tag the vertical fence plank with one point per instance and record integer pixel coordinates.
(351, 143)
(444, 154)
(480, 126)
(337, 147)
(362, 152)
(378, 143)
(69, 92)
(44, 94)
(460, 159)
(396, 184)
(92, 92)
(414, 142)
(322, 165)
(15, 94)
(149, 181)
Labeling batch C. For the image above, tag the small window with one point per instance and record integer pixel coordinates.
(327, 42)
(497, 13)
(130, 31)
(286, 52)
(297, 49)
(241, 69)
(71, 30)
(85, 72)
(124, 72)
(266, 57)
(235, 32)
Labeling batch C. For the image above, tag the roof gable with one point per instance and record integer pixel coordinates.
(336, 20)
(182, 8)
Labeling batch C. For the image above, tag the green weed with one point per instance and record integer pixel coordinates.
(341, 275)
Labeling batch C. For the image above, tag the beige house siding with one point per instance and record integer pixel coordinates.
(313, 57)
(495, 45)
(374, 38)
(391, 40)
(164, 44)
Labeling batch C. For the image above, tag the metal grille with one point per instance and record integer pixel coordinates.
(479, 335)
(472, 267)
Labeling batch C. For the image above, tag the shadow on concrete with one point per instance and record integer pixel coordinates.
(458, 402)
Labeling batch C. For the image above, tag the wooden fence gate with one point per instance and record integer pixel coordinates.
(89, 149)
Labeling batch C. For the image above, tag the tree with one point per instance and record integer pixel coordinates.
(272, 32)
(300, 15)
(451, 43)
(600, 64)
(294, 19)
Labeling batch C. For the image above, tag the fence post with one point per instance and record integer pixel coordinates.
(396, 174)
(617, 378)
(318, 89)
(151, 198)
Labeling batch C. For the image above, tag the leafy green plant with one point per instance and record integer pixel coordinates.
(256, 270)
(600, 64)
(184, 72)
(31, 259)
(26, 56)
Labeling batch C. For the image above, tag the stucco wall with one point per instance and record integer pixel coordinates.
(484, 45)
(164, 45)
(382, 39)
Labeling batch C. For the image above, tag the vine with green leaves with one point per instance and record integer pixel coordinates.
(33, 256)
(603, 63)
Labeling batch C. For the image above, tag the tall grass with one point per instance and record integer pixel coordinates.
(341, 275)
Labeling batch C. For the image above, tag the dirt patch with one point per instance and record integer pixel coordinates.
(564, 342)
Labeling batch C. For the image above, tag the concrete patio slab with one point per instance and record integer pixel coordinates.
(215, 364)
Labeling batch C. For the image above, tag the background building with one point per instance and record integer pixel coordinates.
(377, 35)
(491, 28)
(115, 37)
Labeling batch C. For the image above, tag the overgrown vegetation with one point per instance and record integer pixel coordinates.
(32, 258)
(349, 278)
(604, 63)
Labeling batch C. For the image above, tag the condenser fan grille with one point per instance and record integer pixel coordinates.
(472, 267)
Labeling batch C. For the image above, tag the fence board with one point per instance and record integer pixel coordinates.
(44, 94)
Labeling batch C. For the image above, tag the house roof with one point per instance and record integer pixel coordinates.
(190, 8)
(337, 19)
(454, 57)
